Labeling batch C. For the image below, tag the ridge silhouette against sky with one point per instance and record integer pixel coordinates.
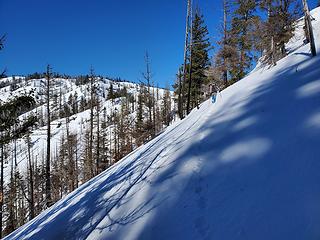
(112, 36)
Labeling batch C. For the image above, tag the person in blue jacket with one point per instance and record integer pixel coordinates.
(214, 97)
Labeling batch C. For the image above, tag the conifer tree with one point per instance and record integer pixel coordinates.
(111, 92)
(3, 73)
(278, 29)
(227, 52)
(243, 23)
(139, 123)
(157, 119)
(124, 130)
(166, 108)
(180, 93)
(200, 58)
(12, 129)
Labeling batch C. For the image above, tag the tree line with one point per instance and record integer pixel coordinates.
(119, 121)
(251, 31)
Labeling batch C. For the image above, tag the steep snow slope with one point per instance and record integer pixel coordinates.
(247, 167)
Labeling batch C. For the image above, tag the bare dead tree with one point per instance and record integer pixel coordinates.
(186, 49)
(92, 92)
(48, 171)
(308, 27)
(190, 57)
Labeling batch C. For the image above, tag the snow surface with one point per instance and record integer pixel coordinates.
(246, 167)
(79, 122)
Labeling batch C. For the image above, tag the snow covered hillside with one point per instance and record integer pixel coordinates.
(64, 92)
(246, 167)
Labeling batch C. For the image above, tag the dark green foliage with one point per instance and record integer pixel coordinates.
(10, 110)
(243, 26)
(3, 73)
(111, 92)
(200, 57)
(140, 133)
(188, 89)
(278, 29)
(282, 21)
(1, 42)
(83, 79)
(35, 75)
(166, 108)
(179, 92)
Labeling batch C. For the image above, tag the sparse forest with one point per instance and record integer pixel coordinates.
(251, 32)
(58, 131)
(89, 123)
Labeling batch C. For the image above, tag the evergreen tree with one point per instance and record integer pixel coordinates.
(124, 131)
(227, 52)
(200, 59)
(111, 92)
(284, 17)
(158, 118)
(3, 73)
(180, 92)
(139, 123)
(243, 25)
(12, 129)
(166, 108)
(277, 30)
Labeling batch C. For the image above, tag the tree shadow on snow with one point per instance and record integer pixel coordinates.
(258, 172)
(257, 175)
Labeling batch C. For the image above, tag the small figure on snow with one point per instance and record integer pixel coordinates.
(214, 97)
(215, 91)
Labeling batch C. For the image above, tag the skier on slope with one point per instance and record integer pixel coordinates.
(214, 95)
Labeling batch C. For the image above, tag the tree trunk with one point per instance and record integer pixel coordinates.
(225, 36)
(154, 112)
(1, 189)
(48, 179)
(309, 28)
(186, 47)
(190, 63)
(98, 138)
(90, 155)
(31, 197)
(272, 44)
(180, 95)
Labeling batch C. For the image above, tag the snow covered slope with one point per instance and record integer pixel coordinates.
(247, 167)
(78, 122)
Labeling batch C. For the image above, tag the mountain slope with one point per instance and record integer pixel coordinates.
(246, 167)
(78, 122)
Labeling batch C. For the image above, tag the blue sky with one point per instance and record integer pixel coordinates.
(110, 35)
